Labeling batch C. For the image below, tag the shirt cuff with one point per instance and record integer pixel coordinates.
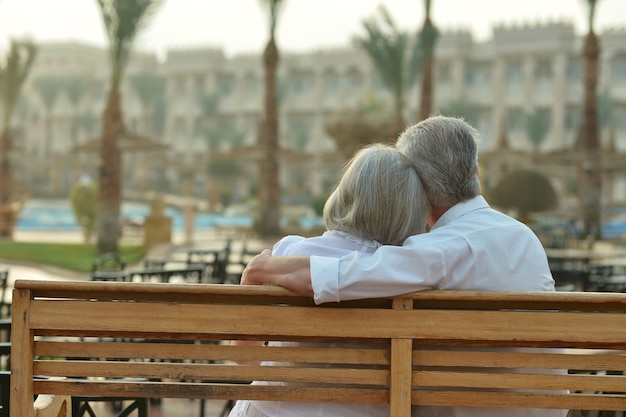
(325, 279)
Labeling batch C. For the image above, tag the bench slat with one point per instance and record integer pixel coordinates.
(215, 391)
(519, 400)
(190, 351)
(213, 372)
(580, 360)
(227, 294)
(484, 327)
(499, 380)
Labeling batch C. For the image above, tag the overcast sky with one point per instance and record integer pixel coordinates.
(240, 25)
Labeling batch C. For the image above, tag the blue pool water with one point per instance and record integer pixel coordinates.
(57, 215)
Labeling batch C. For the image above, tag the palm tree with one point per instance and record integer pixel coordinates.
(269, 185)
(424, 62)
(123, 19)
(13, 71)
(591, 173)
(386, 46)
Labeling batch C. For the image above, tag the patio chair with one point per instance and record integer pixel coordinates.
(5, 304)
(109, 267)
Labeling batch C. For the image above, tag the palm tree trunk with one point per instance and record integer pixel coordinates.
(110, 180)
(269, 186)
(6, 186)
(398, 127)
(48, 141)
(426, 97)
(590, 175)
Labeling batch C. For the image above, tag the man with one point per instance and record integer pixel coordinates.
(470, 245)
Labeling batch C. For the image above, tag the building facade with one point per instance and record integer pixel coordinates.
(206, 108)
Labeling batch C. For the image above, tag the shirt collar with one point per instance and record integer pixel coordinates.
(460, 209)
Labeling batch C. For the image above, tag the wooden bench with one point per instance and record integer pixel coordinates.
(146, 340)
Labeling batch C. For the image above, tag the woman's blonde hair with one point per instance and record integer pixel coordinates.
(379, 197)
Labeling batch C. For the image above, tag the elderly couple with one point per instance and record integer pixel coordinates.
(375, 244)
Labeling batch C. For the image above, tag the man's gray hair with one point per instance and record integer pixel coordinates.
(379, 197)
(444, 151)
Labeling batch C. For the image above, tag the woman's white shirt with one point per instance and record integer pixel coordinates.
(331, 244)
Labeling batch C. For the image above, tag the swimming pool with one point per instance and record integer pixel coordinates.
(50, 215)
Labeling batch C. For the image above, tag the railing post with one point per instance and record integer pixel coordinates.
(401, 368)
(22, 351)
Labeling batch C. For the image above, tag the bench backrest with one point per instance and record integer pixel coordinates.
(430, 348)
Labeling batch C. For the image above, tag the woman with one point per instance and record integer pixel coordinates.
(378, 201)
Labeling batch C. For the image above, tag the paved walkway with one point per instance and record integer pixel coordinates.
(20, 270)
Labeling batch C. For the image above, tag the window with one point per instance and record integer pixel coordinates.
(198, 128)
(574, 70)
(572, 119)
(298, 133)
(355, 79)
(443, 72)
(377, 83)
(226, 85)
(515, 119)
(332, 81)
(477, 74)
(300, 82)
(514, 72)
(620, 118)
(179, 85)
(618, 68)
(543, 69)
(198, 83)
(252, 85)
(179, 126)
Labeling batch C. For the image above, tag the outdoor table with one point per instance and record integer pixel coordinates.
(188, 272)
(575, 266)
(215, 259)
(108, 276)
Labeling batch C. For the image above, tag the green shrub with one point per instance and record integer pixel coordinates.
(317, 202)
(84, 201)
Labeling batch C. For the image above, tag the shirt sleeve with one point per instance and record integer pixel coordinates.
(325, 279)
(390, 271)
(284, 246)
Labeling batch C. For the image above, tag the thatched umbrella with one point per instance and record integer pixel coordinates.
(127, 142)
(256, 153)
(526, 191)
(354, 128)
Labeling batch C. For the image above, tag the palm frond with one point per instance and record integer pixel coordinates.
(274, 8)
(592, 7)
(424, 44)
(386, 46)
(123, 20)
(13, 73)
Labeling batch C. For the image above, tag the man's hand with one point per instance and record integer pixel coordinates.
(291, 272)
